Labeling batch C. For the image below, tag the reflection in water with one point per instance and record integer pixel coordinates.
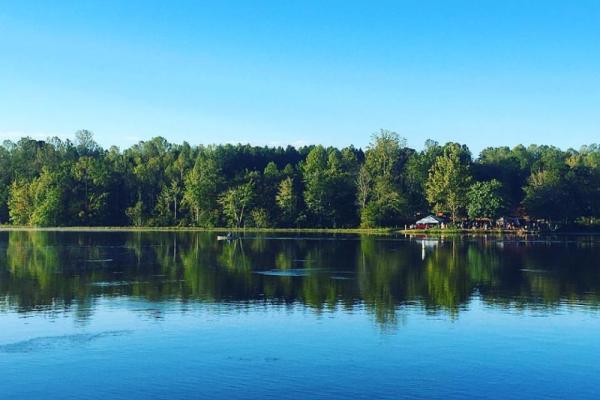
(53, 271)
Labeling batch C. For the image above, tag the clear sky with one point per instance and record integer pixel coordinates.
(277, 72)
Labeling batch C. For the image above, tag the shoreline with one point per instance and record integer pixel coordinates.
(361, 231)
(376, 231)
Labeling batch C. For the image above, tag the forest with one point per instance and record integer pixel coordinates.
(156, 183)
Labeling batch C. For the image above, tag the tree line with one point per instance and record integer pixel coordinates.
(156, 183)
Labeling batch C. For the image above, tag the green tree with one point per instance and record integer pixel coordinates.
(201, 190)
(235, 202)
(416, 173)
(546, 196)
(167, 205)
(287, 201)
(91, 177)
(448, 181)
(136, 213)
(86, 145)
(38, 203)
(20, 202)
(260, 218)
(316, 188)
(379, 189)
(47, 193)
(341, 188)
(485, 200)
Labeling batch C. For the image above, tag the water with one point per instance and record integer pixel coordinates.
(180, 315)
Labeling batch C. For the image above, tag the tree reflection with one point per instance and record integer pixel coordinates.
(52, 271)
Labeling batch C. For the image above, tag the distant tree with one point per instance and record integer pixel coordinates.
(90, 176)
(202, 186)
(47, 193)
(20, 202)
(363, 184)
(416, 173)
(5, 182)
(266, 190)
(37, 203)
(287, 202)
(385, 205)
(86, 145)
(546, 196)
(235, 202)
(260, 218)
(316, 184)
(136, 213)
(509, 167)
(379, 191)
(583, 185)
(341, 188)
(448, 180)
(384, 152)
(167, 205)
(484, 200)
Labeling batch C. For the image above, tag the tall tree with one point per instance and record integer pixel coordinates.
(379, 188)
(316, 185)
(416, 173)
(20, 202)
(236, 202)
(485, 199)
(47, 193)
(287, 202)
(546, 196)
(91, 178)
(202, 185)
(448, 181)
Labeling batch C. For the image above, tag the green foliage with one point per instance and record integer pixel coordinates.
(341, 189)
(287, 201)
(90, 181)
(485, 200)
(316, 185)
(260, 218)
(47, 200)
(380, 196)
(202, 185)
(167, 205)
(157, 183)
(416, 173)
(448, 180)
(236, 202)
(20, 203)
(546, 196)
(37, 203)
(136, 213)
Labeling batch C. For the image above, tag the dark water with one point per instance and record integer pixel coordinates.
(180, 315)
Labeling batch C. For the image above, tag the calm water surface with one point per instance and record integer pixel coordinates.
(179, 315)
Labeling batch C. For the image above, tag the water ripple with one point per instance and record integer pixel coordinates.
(45, 343)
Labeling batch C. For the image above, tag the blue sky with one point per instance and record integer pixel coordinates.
(297, 72)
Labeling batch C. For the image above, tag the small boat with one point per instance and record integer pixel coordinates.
(229, 236)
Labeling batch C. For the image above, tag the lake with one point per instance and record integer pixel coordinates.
(165, 315)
